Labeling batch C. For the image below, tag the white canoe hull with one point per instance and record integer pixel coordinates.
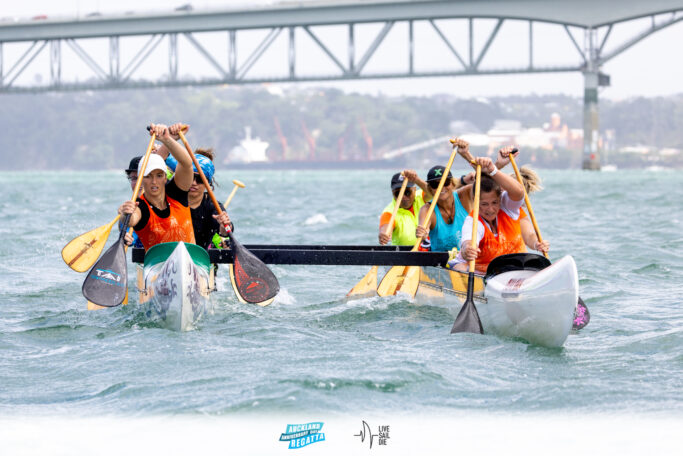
(176, 292)
(537, 306)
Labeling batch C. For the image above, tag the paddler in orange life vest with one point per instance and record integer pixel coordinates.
(162, 213)
(403, 231)
(498, 227)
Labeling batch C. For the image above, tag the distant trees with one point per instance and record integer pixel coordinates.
(103, 130)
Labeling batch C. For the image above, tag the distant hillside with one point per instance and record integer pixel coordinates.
(100, 130)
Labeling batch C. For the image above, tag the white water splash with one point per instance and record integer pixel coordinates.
(316, 219)
(283, 297)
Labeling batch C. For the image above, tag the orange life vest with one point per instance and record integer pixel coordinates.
(509, 240)
(174, 228)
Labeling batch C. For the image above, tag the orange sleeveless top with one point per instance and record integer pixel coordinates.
(509, 240)
(174, 228)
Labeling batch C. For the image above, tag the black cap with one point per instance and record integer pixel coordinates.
(133, 166)
(436, 173)
(397, 181)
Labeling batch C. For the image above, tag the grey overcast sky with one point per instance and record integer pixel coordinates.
(651, 68)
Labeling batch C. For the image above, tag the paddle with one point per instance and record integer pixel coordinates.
(468, 317)
(410, 275)
(251, 279)
(238, 184)
(368, 284)
(582, 315)
(82, 252)
(92, 306)
(107, 282)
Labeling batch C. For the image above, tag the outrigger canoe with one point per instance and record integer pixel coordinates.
(521, 296)
(175, 283)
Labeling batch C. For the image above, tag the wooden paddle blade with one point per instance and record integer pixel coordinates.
(391, 281)
(82, 252)
(367, 286)
(411, 281)
(107, 282)
(251, 279)
(468, 317)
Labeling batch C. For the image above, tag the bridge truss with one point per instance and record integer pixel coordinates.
(317, 43)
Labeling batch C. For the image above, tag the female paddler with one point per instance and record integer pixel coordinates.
(405, 222)
(498, 228)
(162, 213)
(452, 206)
(204, 215)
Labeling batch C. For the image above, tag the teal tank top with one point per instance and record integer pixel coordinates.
(444, 237)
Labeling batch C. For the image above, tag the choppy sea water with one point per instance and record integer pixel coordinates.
(311, 352)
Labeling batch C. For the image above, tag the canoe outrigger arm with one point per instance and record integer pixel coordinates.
(331, 255)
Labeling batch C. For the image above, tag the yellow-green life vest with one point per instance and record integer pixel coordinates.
(405, 223)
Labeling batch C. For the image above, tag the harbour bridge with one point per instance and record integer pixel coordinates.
(305, 41)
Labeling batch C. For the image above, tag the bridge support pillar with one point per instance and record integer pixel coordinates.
(591, 120)
(591, 131)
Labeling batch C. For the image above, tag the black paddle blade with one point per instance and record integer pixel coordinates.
(468, 317)
(254, 282)
(107, 281)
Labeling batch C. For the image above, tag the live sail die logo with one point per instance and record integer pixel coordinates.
(380, 437)
(301, 435)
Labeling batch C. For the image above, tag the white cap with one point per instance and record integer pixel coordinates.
(155, 162)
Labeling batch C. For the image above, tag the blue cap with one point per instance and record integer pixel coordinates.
(204, 163)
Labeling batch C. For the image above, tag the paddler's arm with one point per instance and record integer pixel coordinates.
(384, 238)
(504, 156)
(419, 231)
(507, 183)
(163, 150)
(530, 238)
(168, 136)
(412, 176)
(130, 207)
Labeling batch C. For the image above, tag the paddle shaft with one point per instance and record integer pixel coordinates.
(527, 201)
(437, 192)
(468, 317)
(138, 184)
(475, 225)
(399, 198)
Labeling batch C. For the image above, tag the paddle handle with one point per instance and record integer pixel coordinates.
(527, 201)
(238, 184)
(145, 159)
(203, 177)
(437, 192)
(399, 198)
(475, 219)
(464, 153)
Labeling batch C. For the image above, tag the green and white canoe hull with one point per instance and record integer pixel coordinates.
(176, 285)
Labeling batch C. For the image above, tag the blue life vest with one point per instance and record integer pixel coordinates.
(444, 236)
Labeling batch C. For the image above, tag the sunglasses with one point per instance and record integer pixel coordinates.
(132, 178)
(434, 184)
(406, 193)
(198, 179)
